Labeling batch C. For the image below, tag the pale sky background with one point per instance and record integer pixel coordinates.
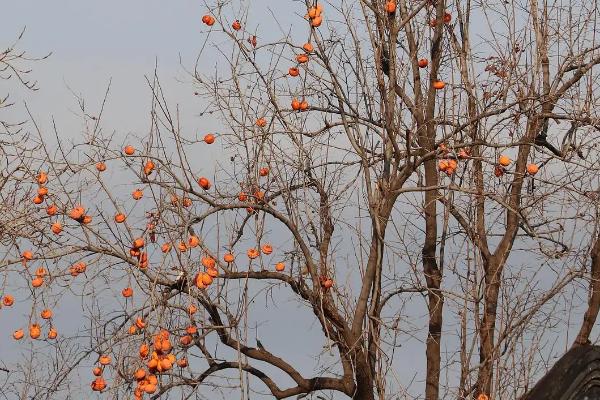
(94, 41)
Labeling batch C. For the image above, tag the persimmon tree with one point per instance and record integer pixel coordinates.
(414, 175)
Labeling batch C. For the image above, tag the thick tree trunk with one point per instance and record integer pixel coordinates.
(433, 275)
(594, 298)
(365, 388)
(488, 326)
(433, 278)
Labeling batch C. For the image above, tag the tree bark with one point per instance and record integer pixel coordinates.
(365, 389)
(594, 301)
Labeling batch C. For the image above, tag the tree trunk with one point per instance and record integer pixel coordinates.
(365, 389)
(488, 326)
(594, 301)
(433, 278)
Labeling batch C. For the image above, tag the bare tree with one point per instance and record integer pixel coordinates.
(398, 176)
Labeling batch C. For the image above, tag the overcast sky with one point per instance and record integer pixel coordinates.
(92, 42)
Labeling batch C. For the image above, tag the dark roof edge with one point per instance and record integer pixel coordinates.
(565, 371)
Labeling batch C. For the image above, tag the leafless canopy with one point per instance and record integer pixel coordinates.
(419, 186)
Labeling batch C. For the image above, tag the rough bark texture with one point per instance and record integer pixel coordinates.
(589, 319)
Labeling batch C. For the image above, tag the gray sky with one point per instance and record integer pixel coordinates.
(92, 42)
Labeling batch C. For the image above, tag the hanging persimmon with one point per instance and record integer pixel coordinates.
(149, 167)
(35, 331)
(198, 281)
(46, 313)
(37, 282)
(182, 362)
(139, 322)
(264, 171)
(193, 241)
(56, 228)
(52, 333)
(18, 334)
(8, 300)
(423, 63)
(100, 166)
(228, 258)
(208, 262)
(302, 58)
(261, 122)
(129, 150)
(77, 213)
(504, 160)
(204, 183)
(259, 195)
(191, 330)
(120, 218)
(209, 138)
(279, 267)
(51, 209)
(308, 47)
(208, 20)
(137, 194)
(252, 253)
(139, 374)
(98, 384)
(236, 25)
(438, 85)
(104, 359)
(532, 169)
(127, 292)
(207, 279)
(390, 6)
(293, 71)
(267, 249)
(144, 350)
(42, 178)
